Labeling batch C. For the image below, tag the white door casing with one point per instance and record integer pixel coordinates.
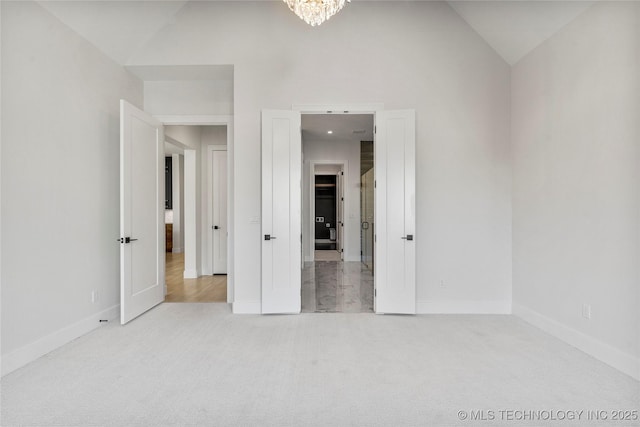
(395, 250)
(142, 226)
(219, 211)
(281, 211)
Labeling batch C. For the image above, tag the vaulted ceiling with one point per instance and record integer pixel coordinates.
(121, 28)
(515, 28)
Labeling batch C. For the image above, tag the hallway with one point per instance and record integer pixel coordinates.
(336, 287)
(202, 289)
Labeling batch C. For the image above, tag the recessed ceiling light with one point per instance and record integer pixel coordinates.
(329, 132)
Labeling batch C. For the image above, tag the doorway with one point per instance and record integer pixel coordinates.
(334, 279)
(188, 275)
(283, 239)
(143, 216)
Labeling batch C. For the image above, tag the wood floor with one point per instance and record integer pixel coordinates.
(202, 289)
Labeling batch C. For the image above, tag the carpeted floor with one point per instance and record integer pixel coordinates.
(199, 365)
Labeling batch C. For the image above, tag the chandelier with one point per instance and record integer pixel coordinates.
(315, 12)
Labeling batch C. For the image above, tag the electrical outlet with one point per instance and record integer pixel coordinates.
(586, 311)
(94, 296)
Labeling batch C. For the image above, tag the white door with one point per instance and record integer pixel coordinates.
(142, 226)
(281, 211)
(219, 210)
(395, 250)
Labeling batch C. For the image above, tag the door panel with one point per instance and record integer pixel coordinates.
(281, 211)
(141, 212)
(219, 209)
(395, 212)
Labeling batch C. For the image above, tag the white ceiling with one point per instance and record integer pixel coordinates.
(120, 28)
(315, 127)
(515, 28)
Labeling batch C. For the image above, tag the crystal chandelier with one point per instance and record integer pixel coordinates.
(315, 12)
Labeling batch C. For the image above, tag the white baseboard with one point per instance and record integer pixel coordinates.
(604, 352)
(247, 307)
(190, 274)
(30, 352)
(176, 250)
(463, 307)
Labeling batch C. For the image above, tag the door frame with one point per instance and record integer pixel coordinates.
(312, 203)
(214, 120)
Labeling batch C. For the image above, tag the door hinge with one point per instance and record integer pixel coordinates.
(375, 129)
(375, 292)
(341, 250)
(375, 184)
(375, 238)
(341, 173)
(342, 199)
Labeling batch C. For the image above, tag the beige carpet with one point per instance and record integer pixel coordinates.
(199, 365)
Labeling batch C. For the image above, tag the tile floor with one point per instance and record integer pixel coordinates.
(336, 287)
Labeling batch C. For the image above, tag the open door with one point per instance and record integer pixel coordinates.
(141, 212)
(340, 212)
(281, 211)
(219, 209)
(395, 250)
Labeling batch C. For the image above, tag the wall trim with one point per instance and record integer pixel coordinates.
(247, 307)
(190, 274)
(602, 351)
(32, 351)
(463, 307)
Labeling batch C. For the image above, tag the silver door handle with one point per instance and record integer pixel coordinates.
(269, 237)
(408, 237)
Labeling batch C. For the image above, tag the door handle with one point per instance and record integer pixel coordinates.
(408, 237)
(269, 237)
(126, 240)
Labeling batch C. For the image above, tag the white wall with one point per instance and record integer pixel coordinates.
(60, 182)
(198, 97)
(338, 151)
(576, 198)
(419, 55)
